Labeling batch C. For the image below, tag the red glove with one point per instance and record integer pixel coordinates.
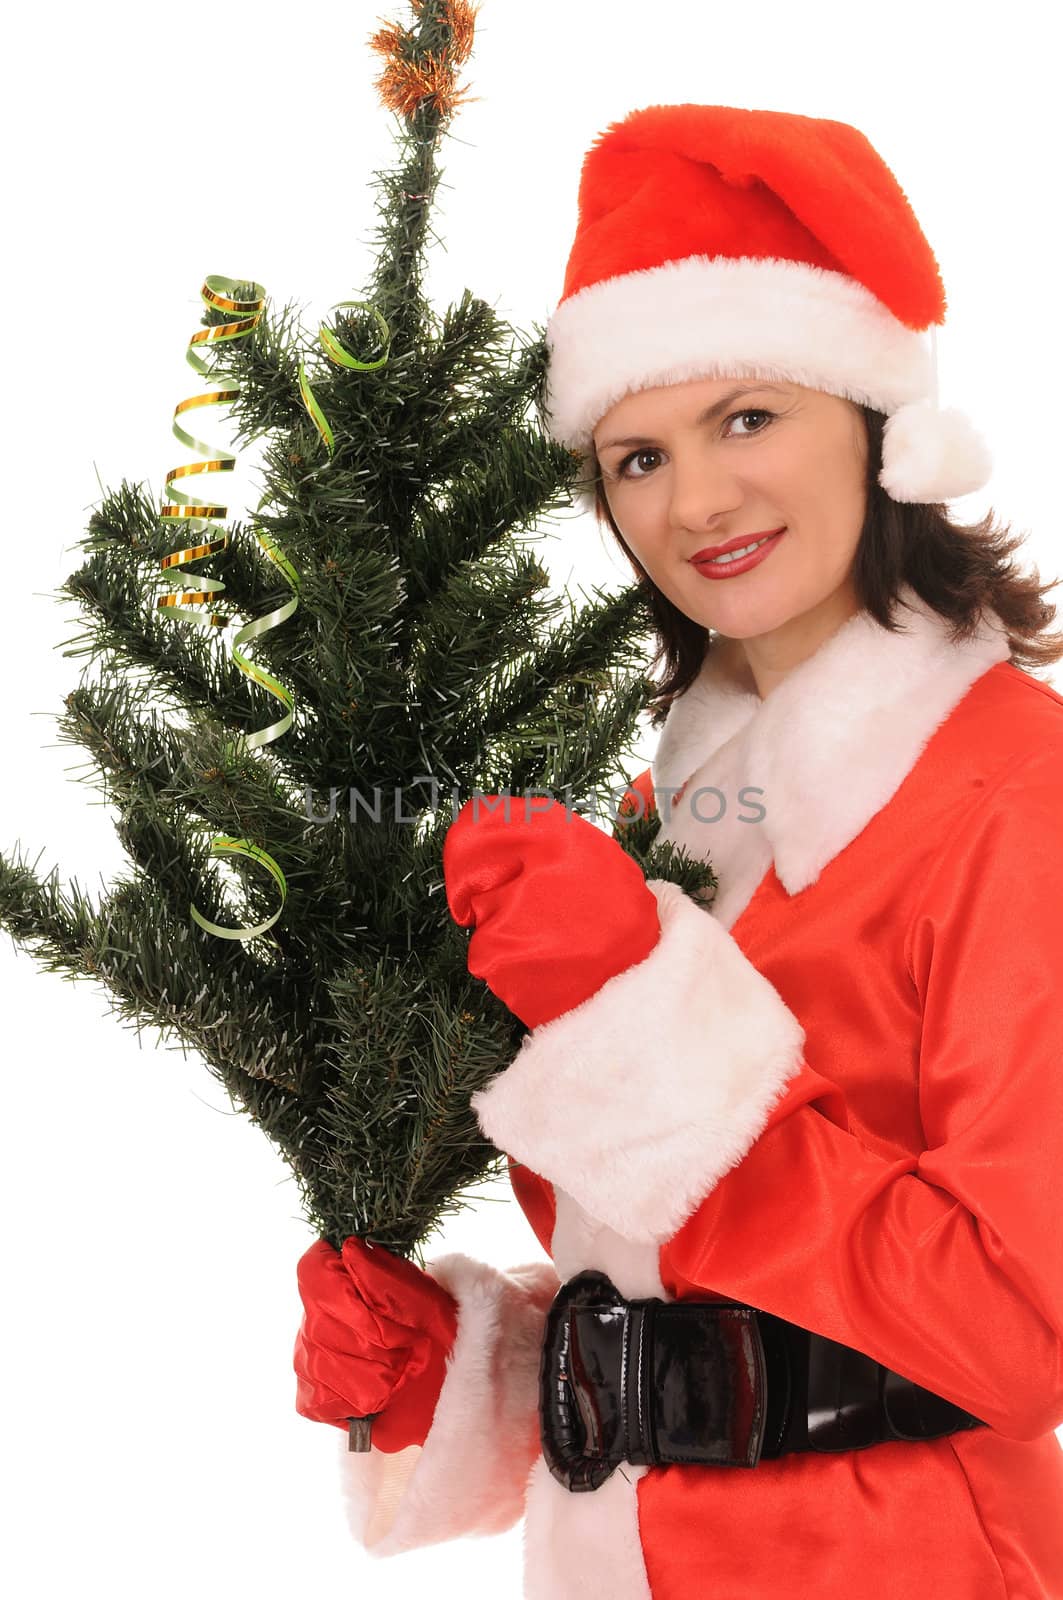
(374, 1338)
(558, 906)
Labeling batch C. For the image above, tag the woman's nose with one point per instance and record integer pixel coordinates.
(702, 490)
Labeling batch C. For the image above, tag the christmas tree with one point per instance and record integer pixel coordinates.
(421, 658)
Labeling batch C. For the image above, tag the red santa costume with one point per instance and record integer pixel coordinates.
(837, 1094)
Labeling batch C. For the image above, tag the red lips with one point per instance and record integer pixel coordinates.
(712, 550)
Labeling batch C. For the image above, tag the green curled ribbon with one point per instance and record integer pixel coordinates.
(198, 591)
(251, 630)
(343, 358)
(223, 845)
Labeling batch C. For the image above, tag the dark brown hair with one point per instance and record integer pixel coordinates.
(956, 568)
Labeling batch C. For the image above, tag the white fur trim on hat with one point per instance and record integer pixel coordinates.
(706, 316)
(782, 321)
(696, 1020)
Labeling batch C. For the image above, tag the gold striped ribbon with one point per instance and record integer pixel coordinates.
(193, 597)
(197, 592)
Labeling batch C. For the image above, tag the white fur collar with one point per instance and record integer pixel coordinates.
(825, 750)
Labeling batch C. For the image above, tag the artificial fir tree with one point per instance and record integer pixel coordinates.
(425, 661)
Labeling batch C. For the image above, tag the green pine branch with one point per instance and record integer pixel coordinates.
(427, 660)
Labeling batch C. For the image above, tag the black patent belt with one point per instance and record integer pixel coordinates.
(714, 1383)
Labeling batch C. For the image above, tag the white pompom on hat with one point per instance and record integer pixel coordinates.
(715, 241)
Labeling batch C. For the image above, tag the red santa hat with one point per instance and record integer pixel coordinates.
(715, 241)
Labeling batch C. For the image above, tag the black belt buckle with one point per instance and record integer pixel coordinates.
(609, 1391)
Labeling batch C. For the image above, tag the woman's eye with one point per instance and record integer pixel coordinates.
(757, 412)
(623, 472)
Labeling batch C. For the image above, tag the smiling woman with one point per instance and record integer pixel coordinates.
(795, 1161)
(695, 475)
(708, 490)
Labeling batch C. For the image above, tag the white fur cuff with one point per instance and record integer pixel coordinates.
(469, 1476)
(639, 1100)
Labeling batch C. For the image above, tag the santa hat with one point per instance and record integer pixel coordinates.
(715, 241)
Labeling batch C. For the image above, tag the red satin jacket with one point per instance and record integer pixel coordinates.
(905, 1195)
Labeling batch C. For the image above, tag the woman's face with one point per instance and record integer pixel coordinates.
(771, 455)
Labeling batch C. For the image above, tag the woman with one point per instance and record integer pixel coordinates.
(799, 1156)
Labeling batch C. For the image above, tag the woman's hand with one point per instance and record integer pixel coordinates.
(558, 907)
(374, 1338)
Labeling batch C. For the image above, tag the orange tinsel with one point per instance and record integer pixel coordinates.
(462, 18)
(405, 85)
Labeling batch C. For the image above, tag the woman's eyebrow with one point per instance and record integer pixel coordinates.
(705, 416)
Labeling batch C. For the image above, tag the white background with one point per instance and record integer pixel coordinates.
(151, 1234)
